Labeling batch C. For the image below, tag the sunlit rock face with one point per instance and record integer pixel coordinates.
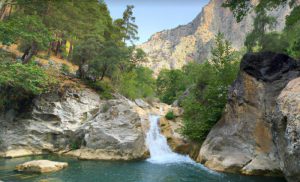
(172, 49)
(77, 122)
(242, 141)
(286, 130)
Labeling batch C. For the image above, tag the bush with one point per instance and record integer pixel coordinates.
(170, 84)
(170, 115)
(137, 83)
(65, 69)
(19, 83)
(103, 88)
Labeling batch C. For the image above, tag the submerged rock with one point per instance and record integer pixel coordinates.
(41, 166)
(242, 141)
(286, 130)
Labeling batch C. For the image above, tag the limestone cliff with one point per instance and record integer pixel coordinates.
(172, 49)
(286, 130)
(242, 141)
(77, 122)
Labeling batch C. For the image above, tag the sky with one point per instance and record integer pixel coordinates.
(156, 15)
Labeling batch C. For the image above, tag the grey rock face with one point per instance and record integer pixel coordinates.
(242, 140)
(49, 126)
(286, 130)
(78, 123)
(114, 133)
(172, 49)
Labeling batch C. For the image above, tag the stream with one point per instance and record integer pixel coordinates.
(163, 166)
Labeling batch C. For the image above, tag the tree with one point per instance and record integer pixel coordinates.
(29, 31)
(241, 8)
(126, 25)
(263, 22)
(170, 84)
(204, 104)
(107, 59)
(85, 52)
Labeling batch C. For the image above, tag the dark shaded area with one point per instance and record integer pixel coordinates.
(268, 66)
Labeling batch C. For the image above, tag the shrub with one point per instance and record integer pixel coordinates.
(103, 88)
(65, 69)
(137, 83)
(170, 115)
(170, 84)
(19, 83)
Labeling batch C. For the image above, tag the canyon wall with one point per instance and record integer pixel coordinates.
(172, 49)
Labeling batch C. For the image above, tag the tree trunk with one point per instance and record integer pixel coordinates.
(103, 73)
(70, 51)
(32, 51)
(26, 52)
(57, 47)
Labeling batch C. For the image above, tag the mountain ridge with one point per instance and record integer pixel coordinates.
(174, 48)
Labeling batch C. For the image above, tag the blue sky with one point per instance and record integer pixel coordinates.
(157, 15)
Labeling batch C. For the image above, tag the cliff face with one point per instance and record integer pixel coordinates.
(172, 49)
(243, 140)
(76, 122)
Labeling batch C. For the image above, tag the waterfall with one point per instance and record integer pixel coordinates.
(160, 151)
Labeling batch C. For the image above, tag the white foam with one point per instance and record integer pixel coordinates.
(160, 152)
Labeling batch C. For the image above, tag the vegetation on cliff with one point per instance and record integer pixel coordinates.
(83, 33)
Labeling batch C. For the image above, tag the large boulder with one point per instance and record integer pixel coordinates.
(114, 133)
(286, 130)
(242, 141)
(49, 125)
(41, 166)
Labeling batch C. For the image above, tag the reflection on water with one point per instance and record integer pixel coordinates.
(107, 171)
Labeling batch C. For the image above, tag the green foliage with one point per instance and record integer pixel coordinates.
(262, 23)
(170, 84)
(138, 83)
(170, 115)
(103, 88)
(29, 31)
(205, 103)
(241, 8)
(19, 82)
(75, 144)
(65, 69)
(293, 18)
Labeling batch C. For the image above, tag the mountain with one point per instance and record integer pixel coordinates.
(172, 49)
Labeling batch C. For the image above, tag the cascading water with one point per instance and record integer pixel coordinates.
(160, 152)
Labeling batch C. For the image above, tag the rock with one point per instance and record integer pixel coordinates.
(174, 48)
(76, 122)
(41, 166)
(242, 141)
(286, 130)
(177, 142)
(115, 133)
(49, 125)
(141, 103)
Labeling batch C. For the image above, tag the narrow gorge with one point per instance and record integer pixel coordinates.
(215, 100)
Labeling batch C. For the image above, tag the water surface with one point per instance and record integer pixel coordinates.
(108, 171)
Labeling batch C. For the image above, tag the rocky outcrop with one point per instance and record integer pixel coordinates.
(242, 141)
(49, 125)
(172, 49)
(77, 122)
(286, 130)
(41, 166)
(178, 143)
(114, 133)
